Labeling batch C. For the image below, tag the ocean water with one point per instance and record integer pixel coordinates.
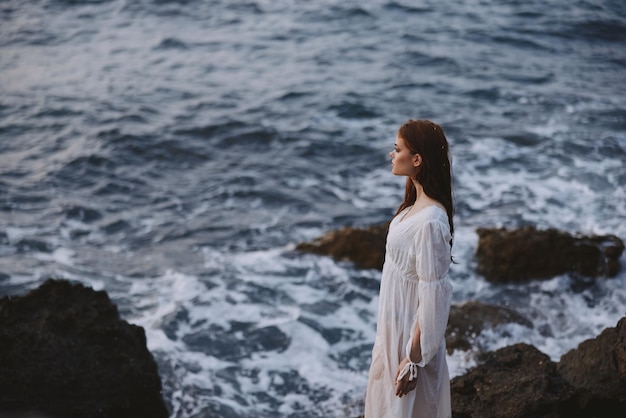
(173, 153)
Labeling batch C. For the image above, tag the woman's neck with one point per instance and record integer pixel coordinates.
(422, 199)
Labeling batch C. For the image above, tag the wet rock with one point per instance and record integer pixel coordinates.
(467, 321)
(597, 369)
(365, 247)
(528, 253)
(521, 382)
(65, 352)
(513, 382)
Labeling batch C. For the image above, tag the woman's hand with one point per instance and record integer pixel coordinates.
(404, 385)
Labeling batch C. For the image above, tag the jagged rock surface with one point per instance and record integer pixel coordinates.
(597, 369)
(515, 381)
(529, 253)
(365, 247)
(521, 382)
(65, 353)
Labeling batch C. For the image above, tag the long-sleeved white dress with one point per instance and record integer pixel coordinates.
(414, 289)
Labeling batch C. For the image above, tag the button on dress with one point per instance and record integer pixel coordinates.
(414, 289)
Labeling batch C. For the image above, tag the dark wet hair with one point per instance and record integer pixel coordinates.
(435, 175)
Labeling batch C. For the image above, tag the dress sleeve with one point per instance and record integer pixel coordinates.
(432, 262)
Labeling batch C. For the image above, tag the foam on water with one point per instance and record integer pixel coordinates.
(560, 322)
(317, 377)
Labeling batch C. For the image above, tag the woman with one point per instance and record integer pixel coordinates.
(409, 374)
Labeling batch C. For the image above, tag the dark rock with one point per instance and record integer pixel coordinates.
(519, 381)
(597, 369)
(467, 321)
(65, 352)
(528, 253)
(364, 247)
(513, 382)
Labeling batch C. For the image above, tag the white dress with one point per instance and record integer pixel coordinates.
(414, 288)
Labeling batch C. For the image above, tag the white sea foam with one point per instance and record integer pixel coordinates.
(15, 234)
(61, 256)
(308, 353)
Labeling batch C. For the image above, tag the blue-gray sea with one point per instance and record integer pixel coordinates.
(173, 153)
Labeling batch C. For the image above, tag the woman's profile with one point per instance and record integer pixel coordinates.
(408, 374)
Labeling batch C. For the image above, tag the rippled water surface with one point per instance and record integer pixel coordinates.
(173, 152)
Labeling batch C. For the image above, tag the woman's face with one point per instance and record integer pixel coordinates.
(403, 162)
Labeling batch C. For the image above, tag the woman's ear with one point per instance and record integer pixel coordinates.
(417, 160)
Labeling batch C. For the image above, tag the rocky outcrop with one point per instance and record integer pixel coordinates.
(515, 381)
(65, 353)
(597, 369)
(521, 382)
(529, 253)
(365, 247)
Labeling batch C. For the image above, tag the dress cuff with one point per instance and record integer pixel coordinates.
(411, 369)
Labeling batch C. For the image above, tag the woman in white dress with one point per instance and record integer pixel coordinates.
(409, 374)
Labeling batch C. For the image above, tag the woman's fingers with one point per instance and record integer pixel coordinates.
(405, 385)
(399, 389)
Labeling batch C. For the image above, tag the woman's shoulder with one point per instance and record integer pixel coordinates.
(428, 216)
(433, 218)
(433, 213)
